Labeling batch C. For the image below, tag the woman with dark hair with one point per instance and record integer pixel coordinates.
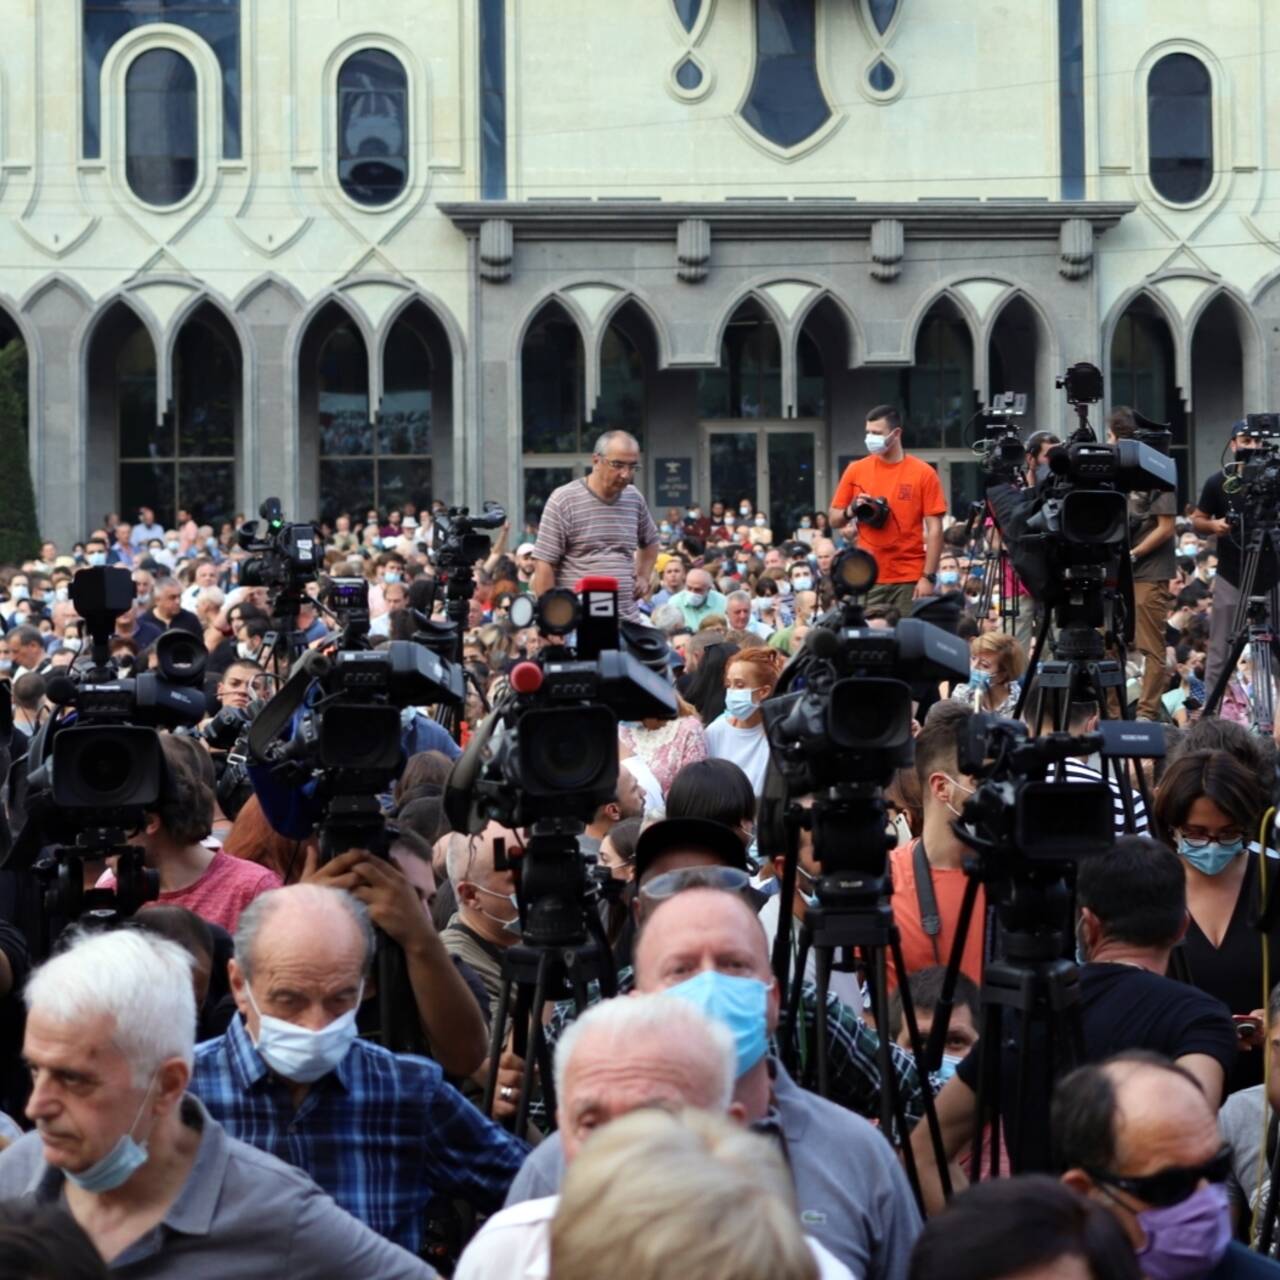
(717, 790)
(706, 687)
(1208, 808)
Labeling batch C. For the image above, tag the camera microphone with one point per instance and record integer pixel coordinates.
(60, 690)
(822, 643)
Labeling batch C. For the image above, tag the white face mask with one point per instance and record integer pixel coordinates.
(877, 444)
(245, 650)
(300, 1055)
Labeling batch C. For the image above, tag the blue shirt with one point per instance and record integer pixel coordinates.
(382, 1133)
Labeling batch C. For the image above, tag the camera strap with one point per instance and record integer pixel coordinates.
(930, 920)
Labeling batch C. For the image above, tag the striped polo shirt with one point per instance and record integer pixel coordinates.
(581, 534)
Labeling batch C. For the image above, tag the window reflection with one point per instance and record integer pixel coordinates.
(161, 127)
(786, 103)
(373, 127)
(1180, 128)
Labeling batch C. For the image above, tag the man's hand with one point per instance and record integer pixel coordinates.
(923, 588)
(506, 1097)
(392, 901)
(641, 591)
(1221, 528)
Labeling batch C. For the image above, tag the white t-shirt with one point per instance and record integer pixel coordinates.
(516, 1245)
(747, 748)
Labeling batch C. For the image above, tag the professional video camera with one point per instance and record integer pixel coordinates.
(1253, 479)
(95, 767)
(459, 538)
(1065, 534)
(286, 558)
(1001, 448)
(846, 730)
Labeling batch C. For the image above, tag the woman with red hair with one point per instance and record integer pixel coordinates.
(738, 735)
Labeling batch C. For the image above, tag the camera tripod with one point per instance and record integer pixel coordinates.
(996, 567)
(1081, 671)
(1253, 628)
(564, 950)
(853, 912)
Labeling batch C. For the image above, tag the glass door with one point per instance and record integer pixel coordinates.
(779, 467)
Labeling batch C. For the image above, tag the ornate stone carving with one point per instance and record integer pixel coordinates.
(497, 248)
(693, 250)
(1075, 248)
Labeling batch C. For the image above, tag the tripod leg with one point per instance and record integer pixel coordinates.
(1214, 700)
(988, 1090)
(946, 1001)
(1022, 1094)
(533, 1012)
(795, 1040)
(497, 1034)
(824, 983)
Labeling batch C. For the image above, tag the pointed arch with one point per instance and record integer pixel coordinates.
(857, 341)
(945, 294)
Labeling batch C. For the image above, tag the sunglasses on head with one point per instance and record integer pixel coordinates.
(1169, 1186)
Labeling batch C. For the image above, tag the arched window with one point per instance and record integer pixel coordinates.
(1180, 128)
(748, 383)
(162, 131)
(216, 22)
(185, 461)
(404, 421)
(346, 438)
(786, 103)
(621, 401)
(938, 390)
(373, 127)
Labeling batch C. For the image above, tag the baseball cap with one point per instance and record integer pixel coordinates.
(524, 549)
(689, 835)
(1239, 427)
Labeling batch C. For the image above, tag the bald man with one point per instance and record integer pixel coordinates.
(706, 946)
(1137, 1134)
(381, 1132)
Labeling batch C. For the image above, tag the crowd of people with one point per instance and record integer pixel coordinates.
(202, 1091)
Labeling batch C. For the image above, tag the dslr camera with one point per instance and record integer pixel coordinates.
(871, 511)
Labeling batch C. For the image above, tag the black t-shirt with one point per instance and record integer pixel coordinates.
(1216, 503)
(1232, 972)
(1122, 1007)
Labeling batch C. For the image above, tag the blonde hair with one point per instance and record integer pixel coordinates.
(655, 1194)
(1007, 651)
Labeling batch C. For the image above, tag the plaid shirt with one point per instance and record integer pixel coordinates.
(853, 1049)
(382, 1133)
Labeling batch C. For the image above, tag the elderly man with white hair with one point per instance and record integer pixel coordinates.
(152, 1178)
(381, 1132)
(624, 1054)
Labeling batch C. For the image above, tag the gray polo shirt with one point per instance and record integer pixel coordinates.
(242, 1213)
(852, 1193)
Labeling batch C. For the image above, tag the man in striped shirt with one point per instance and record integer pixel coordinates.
(600, 525)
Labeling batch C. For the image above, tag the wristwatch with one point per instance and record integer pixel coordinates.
(930, 578)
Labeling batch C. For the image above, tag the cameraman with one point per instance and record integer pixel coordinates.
(1151, 533)
(906, 560)
(1211, 518)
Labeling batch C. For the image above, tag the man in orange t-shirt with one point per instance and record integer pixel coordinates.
(937, 856)
(906, 557)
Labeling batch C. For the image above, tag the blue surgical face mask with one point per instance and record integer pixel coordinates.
(948, 1066)
(810, 898)
(1213, 858)
(299, 1054)
(948, 577)
(391, 575)
(802, 584)
(806, 523)
(172, 545)
(741, 1004)
(97, 558)
(120, 1163)
(979, 679)
(20, 592)
(740, 703)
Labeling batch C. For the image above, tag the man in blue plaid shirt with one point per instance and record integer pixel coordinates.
(381, 1132)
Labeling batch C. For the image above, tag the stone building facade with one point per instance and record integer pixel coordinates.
(353, 251)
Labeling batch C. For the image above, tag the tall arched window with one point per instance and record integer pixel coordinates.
(346, 438)
(748, 383)
(373, 127)
(938, 390)
(1180, 128)
(162, 128)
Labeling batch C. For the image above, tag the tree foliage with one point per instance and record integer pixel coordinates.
(19, 528)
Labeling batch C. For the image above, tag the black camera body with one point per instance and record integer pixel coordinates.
(871, 511)
(551, 752)
(1253, 480)
(286, 558)
(458, 537)
(95, 767)
(1082, 383)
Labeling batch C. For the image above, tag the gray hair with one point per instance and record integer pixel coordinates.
(258, 912)
(640, 1020)
(741, 597)
(606, 438)
(667, 618)
(141, 981)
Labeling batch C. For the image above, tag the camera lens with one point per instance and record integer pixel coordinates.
(568, 749)
(103, 768)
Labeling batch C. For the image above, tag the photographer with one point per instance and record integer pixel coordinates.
(1212, 518)
(909, 496)
(1151, 534)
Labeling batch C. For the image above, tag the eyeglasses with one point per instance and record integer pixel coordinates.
(615, 465)
(1194, 839)
(667, 885)
(1169, 1186)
